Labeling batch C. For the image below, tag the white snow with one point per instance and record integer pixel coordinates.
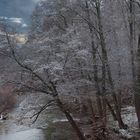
(125, 133)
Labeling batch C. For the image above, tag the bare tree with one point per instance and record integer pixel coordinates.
(48, 88)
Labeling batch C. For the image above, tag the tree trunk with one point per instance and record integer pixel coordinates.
(95, 68)
(104, 111)
(70, 119)
(111, 109)
(107, 66)
(83, 109)
(120, 99)
(118, 113)
(131, 37)
(136, 80)
(137, 106)
(91, 109)
(137, 85)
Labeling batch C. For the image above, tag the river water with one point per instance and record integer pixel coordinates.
(32, 134)
(11, 131)
(45, 128)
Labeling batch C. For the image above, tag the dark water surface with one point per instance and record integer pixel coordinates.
(32, 134)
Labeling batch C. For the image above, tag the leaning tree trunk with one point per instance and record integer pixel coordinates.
(70, 119)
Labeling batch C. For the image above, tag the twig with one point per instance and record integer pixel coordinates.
(41, 110)
(26, 67)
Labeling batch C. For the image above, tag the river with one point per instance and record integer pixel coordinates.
(58, 129)
(31, 134)
(9, 130)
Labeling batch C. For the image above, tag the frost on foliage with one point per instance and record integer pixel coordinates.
(2, 46)
(43, 48)
(129, 116)
(29, 61)
(83, 54)
(42, 68)
(56, 66)
(67, 88)
(85, 82)
(126, 134)
(60, 55)
(74, 43)
(64, 9)
(53, 66)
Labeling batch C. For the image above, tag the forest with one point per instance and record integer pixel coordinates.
(79, 59)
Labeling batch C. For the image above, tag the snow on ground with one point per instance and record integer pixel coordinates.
(125, 134)
(129, 118)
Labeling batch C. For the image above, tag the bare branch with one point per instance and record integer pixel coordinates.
(89, 23)
(41, 110)
(25, 66)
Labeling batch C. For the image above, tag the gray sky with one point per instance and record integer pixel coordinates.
(17, 11)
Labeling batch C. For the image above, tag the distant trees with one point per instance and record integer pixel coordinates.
(135, 35)
(88, 15)
(134, 42)
(8, 98)
(80, 49)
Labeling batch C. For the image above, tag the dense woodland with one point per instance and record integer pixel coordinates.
(84, 55)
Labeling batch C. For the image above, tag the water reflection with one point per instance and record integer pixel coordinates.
(33, 134)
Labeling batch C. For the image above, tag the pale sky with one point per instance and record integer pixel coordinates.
(17, 11)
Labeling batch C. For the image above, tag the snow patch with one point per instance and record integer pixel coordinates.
(126, 134)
